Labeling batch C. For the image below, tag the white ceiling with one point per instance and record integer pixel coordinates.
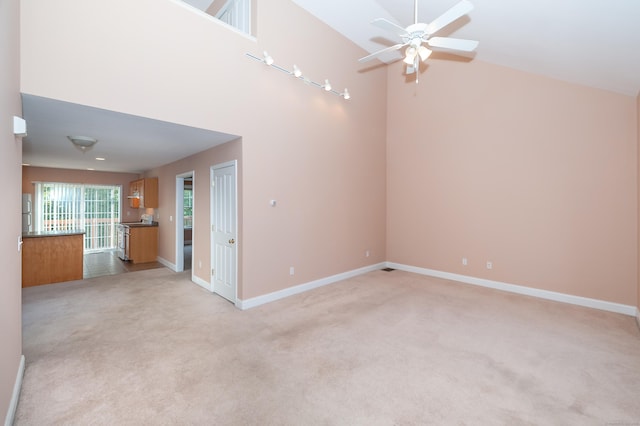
(589, 42)
(128, 143)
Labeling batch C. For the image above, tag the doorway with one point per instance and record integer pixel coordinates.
(185, 185)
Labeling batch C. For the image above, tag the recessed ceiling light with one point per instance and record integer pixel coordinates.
(89, 168)
(100, 158)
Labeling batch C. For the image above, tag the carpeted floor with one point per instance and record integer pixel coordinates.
(385, 348)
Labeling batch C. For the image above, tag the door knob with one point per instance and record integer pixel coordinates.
(231, 241)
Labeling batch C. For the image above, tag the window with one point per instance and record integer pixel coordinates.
(237, 13)
(188, 208)
(92, 208)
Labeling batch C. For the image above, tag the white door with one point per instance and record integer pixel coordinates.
(224, 253)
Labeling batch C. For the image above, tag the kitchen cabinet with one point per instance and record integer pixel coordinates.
(142, 244)
(52, 257)
(143, 193)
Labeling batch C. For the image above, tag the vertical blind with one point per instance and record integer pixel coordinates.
(94, 209)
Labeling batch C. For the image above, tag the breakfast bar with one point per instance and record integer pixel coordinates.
(52, 257)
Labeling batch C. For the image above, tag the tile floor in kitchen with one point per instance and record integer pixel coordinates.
(108, 263)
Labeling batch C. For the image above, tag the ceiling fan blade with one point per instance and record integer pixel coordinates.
(389, 26)
(449, 16)
(380, 52)
(453, 43)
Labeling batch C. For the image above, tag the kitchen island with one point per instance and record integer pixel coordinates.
(52, 257)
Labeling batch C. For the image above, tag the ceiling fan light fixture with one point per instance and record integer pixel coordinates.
(418, 33)
(410, 55)
(83, 143)
(424, 53)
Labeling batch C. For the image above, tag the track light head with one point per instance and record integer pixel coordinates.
(267, 59)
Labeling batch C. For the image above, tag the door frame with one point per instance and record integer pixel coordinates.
(212, 170)
(180, 219)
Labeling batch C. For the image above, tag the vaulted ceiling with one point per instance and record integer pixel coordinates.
(590, 42)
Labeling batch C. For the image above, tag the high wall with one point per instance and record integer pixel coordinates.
(46, 174)
(321, 157)
(535, 175)
(200, 165)
(10, 160)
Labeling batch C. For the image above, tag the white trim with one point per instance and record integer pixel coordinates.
(168, 264)
(290, 291)
(638, 316)
(529, 291)
(202, 283)
(13, 405)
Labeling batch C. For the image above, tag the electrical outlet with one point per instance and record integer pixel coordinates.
(464, 261)
(367, 253)
(489, 265)
(292, 270)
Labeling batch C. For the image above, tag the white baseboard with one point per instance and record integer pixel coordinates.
(168, 264)
(174, 268)
(202, 283)
(13, 406)
(281, 294)
(529, 291)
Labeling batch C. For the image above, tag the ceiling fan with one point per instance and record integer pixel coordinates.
(418, 36)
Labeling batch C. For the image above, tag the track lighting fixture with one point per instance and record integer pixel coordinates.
(297, 73)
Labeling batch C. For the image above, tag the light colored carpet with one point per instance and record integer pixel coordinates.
(385, 348)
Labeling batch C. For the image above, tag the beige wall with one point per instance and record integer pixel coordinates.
(638, 186)
(322, 158)
(200, 164)
(10, 159)
(45, 174)
(535, 175)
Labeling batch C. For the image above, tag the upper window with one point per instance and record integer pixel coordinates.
(236, 13)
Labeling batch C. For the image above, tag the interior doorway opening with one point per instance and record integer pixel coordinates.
(184, 221)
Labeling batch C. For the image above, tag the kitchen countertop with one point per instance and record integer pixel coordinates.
(40, 234)
(138, 224)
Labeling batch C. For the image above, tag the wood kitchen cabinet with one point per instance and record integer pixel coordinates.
(143, 193)
(52, 257)
(142, 244)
